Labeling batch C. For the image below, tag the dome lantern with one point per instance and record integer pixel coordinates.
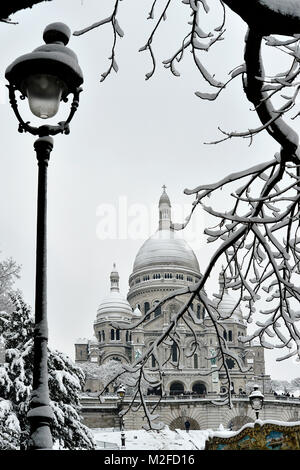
(164, 206)
(114, 280)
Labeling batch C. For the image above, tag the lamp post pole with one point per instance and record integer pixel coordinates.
(256, 400)
(121, 395)
(122, 432)
(45, 76)
(40, 413)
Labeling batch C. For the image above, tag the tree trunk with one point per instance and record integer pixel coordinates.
(268, 17)
(13, 6)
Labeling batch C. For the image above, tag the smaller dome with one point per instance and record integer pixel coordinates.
(114, 305)
(137, 312)
(93, 341)
(228, 308)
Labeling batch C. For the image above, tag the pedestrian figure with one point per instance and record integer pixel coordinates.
(187, 425)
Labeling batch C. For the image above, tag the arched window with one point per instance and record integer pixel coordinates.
(229, 335)
(99, 335)
(199, 388)
(176, 388)
(195, 361)
(174, 352)
(225, 335)
(157, 311)
(103, 335)
(117, 334)
(153, 361)
(112, 334)
(168, 275)
(127, 336)
(156, 276)
(199, 311)
(192, 306)
(146, 308)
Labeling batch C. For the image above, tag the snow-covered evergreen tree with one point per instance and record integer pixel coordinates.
(65, 384)
(9, 272)
(106, 372)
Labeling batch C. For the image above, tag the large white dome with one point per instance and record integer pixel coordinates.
(168, 248)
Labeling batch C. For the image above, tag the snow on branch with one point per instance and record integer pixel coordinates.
(258, 242)
(117, 32)
(257, 238)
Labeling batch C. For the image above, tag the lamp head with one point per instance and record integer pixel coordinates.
(121, 392)
(256, 399)
(48, 74)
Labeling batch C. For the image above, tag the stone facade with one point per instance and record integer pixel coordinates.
(165, 263)
(201, 412)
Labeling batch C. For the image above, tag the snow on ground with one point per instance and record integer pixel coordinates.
(167, 439)
(153, 440)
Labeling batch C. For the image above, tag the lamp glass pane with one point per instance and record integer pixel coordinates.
(44, 94)
(256, 403)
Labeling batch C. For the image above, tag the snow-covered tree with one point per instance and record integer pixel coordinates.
(257, 238)
(109, 370)
(65, 384)
(9, 272)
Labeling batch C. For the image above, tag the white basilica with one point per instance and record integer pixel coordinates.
(165, 263)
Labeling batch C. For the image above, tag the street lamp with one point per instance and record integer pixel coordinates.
(256, 400)
(121, 395)
(45, 77)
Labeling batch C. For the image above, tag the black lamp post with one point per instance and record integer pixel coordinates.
(121, 395)
(45, 77)
(256, 400)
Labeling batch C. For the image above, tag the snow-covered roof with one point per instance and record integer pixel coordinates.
(82, 341)
(228, 307)
(168, 248)
(137, 312)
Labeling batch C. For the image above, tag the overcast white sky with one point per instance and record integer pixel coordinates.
(129, 137)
